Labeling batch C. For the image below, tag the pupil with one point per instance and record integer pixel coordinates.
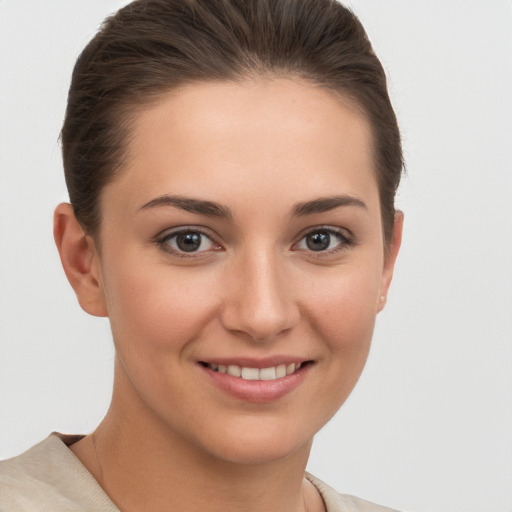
(189, 242)
(318, 241)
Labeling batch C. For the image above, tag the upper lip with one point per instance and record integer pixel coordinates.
(248, 362)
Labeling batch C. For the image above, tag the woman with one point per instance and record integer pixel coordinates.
(231, 168)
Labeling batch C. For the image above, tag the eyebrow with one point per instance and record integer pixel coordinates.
(325, 204)
(188, 204)
(212, 209)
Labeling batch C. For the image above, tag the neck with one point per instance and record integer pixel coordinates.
(142, 465)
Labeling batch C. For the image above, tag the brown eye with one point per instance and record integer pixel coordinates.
(324, 240)
(187, 241)
(318, 241)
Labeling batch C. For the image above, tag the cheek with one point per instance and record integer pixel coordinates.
(345, 309)
(340, 317)
(155, 317)
(159, 307)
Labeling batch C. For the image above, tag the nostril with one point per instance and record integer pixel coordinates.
(258, 300)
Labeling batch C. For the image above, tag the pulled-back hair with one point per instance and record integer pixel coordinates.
(152, 46)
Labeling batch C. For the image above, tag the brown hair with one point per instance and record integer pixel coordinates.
(152, 46)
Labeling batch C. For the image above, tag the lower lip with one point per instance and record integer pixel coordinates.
(258, 391)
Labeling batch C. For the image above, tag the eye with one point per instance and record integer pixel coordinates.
(187, 241)
(323, 240)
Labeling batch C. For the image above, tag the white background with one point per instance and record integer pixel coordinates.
(429, 426)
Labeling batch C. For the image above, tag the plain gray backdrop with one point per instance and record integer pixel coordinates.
(429, 426)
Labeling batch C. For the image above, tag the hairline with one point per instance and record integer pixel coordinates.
(130, 108)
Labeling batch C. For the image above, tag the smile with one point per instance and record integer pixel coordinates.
(257, 382)
(248, 373)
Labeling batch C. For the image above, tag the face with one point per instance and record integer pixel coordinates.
(242, 263)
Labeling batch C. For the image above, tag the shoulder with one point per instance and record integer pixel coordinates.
(336, 502)
(48, 477)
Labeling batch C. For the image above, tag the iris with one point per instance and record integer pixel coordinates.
(188, 242)
(318, 241)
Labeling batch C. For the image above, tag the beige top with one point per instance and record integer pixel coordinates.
(49, 478)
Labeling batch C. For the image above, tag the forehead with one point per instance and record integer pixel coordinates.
(258, 136)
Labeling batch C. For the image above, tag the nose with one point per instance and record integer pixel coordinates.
(259, 300)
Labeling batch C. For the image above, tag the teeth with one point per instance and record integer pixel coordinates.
(268, 373)
(250, 373)
(234, 370)
(280, 371)
(271, 373)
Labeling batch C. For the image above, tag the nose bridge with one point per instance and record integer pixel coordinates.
(259, 300)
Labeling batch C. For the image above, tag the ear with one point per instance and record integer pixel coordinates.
(390, 258)
(80, 260)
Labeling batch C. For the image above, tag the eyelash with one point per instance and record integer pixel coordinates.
(164, 240)
(345, 241)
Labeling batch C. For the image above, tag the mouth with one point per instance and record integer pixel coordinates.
(249, 373)
(257, 380)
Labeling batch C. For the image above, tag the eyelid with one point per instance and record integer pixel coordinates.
(344, 235)
(164, 236)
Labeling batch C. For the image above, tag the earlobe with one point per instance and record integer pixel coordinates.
(80, 260)
(390, 258)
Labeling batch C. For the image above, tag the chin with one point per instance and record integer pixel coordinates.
(259, 444)
(260, 453)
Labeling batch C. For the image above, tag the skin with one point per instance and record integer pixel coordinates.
(258, 148)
